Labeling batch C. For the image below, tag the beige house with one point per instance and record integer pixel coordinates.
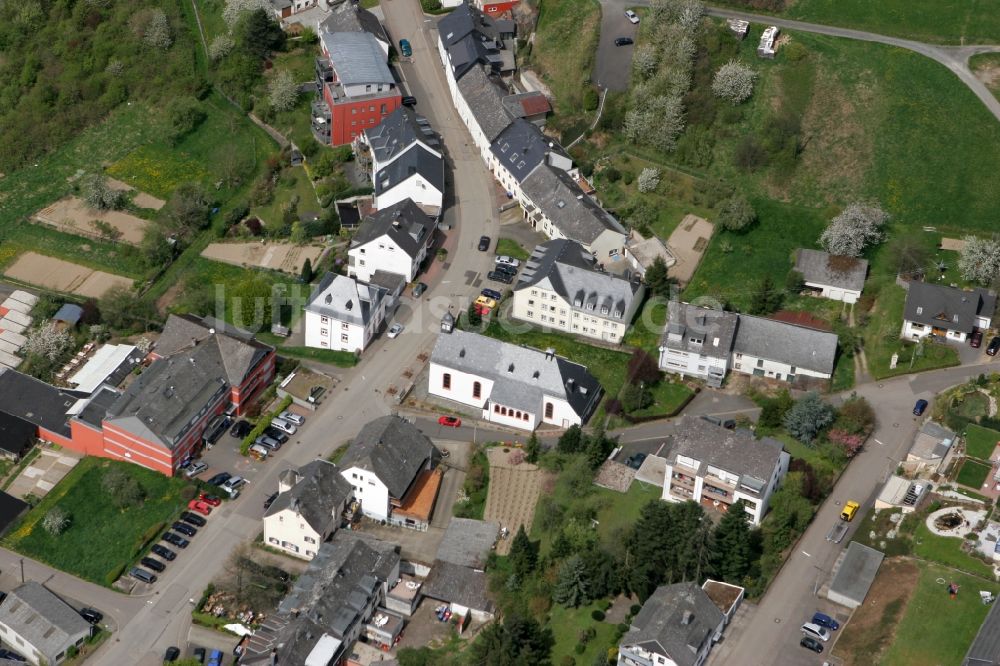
(308, 509)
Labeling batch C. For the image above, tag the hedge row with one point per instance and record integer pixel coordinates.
(262, 423)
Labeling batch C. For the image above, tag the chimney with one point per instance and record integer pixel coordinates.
(570, 384)
(686, 618)
(549, 354)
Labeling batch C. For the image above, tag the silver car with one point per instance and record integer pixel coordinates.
(292, 418)
(194, 469)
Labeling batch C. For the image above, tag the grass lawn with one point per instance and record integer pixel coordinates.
(980, 441)
(101, 539)
(618, 509)
(882, 340)
(973, 474)
(511, 248)
(935, 21)
(566, 625)
(936, 629)
(843, 373)
(647, 328)
(972, 405)
(294, 181)
(811, 455)
(668, 397)
(333, 357)
(947, 551)
(986, 65)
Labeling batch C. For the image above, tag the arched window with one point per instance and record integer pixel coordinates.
(548, 410)
(524, 417)
(446, 381)
(503, 411)
(496, 409)
(477, 390)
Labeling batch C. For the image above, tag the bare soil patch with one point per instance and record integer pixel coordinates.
(71, 215)
(512, 495)
(59, 275)
(140, 199)
(276, 256)
(872, 628)
(989, 74)
(688, 242)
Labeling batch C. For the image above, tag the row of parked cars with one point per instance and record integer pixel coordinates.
(182, 530)
(817, 631)
(276, 434)
(198, 654)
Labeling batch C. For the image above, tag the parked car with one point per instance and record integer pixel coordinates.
(810, 643)
(163, 552)
(175, 540)
(504, 268)
(623, 41)
(149, 563)
(498, 276)
(199, 654)
(976, 339)
(405, 49)
(486, 302)
(240, 429)
(418, 289)
(220, 478)
(194, 469)
(259, 452)
(450, 421)
(270, 500)
(993, 347)
(292, 417)
(90, 615)
(408, 100)
(211, 500)
(215, 658)
(504, 260)
(394, 331)
(824, 620)
(484, 243)
(184, 528)
(233, 485)
(635, 460)
(172, 654)
(142, 574)
(10, 655)
(200, 506)
(283, 425)
(850, 508)
(492, 293)
(193, 519)
(815, 631)
(631, 16)
(919, 407)
(268, 441)
(274, 433)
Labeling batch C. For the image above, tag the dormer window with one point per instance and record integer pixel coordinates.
(920, 310)
(604, 310)
(590, 306)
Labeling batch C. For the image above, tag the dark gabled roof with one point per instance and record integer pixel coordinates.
(565, 267)
(350, 17)
(675, 622)
(716, 329)
(985, 649)
(238, 350)
(417, 160)
(473, 50)
(454, 583)
(522, 147)
(319, 491)
(947, 307)
(468, 542)
(465, 20)
(16, 434)
(576, 215)
(398, 131)
(97, 406)
(779, 341)
(11, 509)
(344, 299)
(394, 450)
(831, 270)
(484, 95)
(403, 222)
(34, 401)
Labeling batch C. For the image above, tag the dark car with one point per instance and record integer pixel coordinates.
(408, 100)
(919, 407)
(993, 347)
(12, 656)
(623, 41)
(492, 293)
(220, 478)
(240, 429)
(172, 654)
(193, 519)
(175, 540)
(824, 620)
(90, 615)
(270, 500)
(811, 644)
(150, 563)
(405, 48)
(274, 433)
(419, 289)
(199, 654)
(184, 528)
(484, 243)
(635, 460)
(976, 339)
(163, 552)
(497, 276)
(504, 268)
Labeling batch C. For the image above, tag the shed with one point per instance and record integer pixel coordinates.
(68, 315)
(16, 436)
(855, 575)
(11, 509)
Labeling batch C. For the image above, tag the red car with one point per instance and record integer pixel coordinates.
(450, 421)
(209, 499)
(200, 507)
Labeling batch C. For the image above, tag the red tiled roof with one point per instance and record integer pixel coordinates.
(419, 502)
(535, 104)
(801, 319)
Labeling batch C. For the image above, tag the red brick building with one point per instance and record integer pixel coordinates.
(494, 8)
(199, 368)
(357, 88)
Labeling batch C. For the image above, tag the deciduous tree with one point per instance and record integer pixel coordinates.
(736, 213)
(856, 228)
(282, 91)
(97, 194)
(56, 521)
(980, 260)
(649, 178)
(48, 341)
(734, 82)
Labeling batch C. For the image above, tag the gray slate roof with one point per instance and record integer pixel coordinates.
(565, 267)
(345, 299)
(394, 450)
(735, 451)
(238, 350)
(485, 96)
(464, 20)
(319, 492)
(417, 160)
(398, 131)
(857, 572)
(947, 307)
(576, 215)
(44, 620)
(403, 222)
(522, 147)
(468, 542)
(454, 583)
(715, 329)
(513, 368)
(349, 17)
(985, 649)
(676, 621)
(34, 401)
(786, 343)
(835, 271)
(69, 313)
(357, 57)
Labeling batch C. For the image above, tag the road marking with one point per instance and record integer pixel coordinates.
(806, 554)
(879, 443)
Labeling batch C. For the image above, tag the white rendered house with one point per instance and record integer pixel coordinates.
(834, 277)
(343, 314)
(947, 312)
(393, 240)
(308, 510)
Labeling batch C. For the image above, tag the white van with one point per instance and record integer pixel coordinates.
(283, 426)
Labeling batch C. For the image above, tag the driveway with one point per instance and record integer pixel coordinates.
(613, 66)
(44, 472)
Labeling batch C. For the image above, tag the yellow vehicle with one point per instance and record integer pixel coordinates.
(850, 509)
(486, 302)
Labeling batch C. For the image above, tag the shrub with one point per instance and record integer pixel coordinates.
(590, 99)
(56, 521)
(649, 179)
(612, 174)
(633, 610)
(597, 615)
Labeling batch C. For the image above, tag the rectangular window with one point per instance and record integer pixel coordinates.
(324, 320)
(345, 326)
(531, 315)
(446, 380)
(343, 338)
(309, 540)
(324, 331)
(760, 363)
(383, 108)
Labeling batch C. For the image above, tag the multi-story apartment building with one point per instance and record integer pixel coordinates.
(344, 314)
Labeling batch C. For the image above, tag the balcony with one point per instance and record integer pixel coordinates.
(680, 491)
(634, 658)
(711, 492)
(720, 483)
(684, 480)
(324, 71)
(321, 121)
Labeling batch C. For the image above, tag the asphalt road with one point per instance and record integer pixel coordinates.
(613, 66)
